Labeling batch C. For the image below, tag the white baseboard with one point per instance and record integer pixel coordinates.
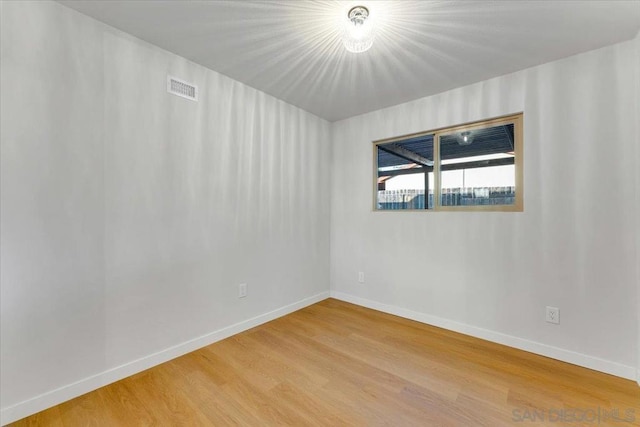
(568, 356)
(62, 394)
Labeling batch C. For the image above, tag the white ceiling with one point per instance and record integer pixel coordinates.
(292, 49)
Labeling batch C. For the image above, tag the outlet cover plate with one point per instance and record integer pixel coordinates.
(553, 315)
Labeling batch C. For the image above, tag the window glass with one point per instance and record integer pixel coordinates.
(477, 167)
(404, 171)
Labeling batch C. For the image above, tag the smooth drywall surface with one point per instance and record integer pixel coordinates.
(129, 215)
(637, 169)
(571, 248)
(52, 278)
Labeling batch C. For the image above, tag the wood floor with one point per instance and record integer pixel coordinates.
(335, 363)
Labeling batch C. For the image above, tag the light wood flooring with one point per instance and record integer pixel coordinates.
(334, 363)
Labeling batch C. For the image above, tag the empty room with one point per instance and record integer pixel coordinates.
(319, 212)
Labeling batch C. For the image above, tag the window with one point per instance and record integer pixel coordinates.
(472, 167)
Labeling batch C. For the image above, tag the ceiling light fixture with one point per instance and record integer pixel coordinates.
(358, 30)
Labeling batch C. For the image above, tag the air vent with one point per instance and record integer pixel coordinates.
(182, 88)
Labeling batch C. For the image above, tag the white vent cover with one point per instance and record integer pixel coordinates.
(182, 88)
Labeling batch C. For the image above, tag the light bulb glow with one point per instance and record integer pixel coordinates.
(358, 33)
(465, 138)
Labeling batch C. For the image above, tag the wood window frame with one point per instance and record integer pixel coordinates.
(518, 205)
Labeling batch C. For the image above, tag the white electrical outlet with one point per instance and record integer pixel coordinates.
(242, 290)
(553, 315)
(361, 277)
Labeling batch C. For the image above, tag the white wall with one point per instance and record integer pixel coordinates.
(129, 216)
(637, 169)
(492, 274)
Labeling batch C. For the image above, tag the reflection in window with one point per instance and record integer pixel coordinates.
(478, 167)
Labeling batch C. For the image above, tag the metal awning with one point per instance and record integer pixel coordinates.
(417, 150)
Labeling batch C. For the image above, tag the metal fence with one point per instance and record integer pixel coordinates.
(475, 196)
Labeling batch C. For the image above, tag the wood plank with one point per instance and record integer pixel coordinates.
(335, 363)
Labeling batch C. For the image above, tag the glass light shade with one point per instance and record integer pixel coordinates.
(358, 33)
